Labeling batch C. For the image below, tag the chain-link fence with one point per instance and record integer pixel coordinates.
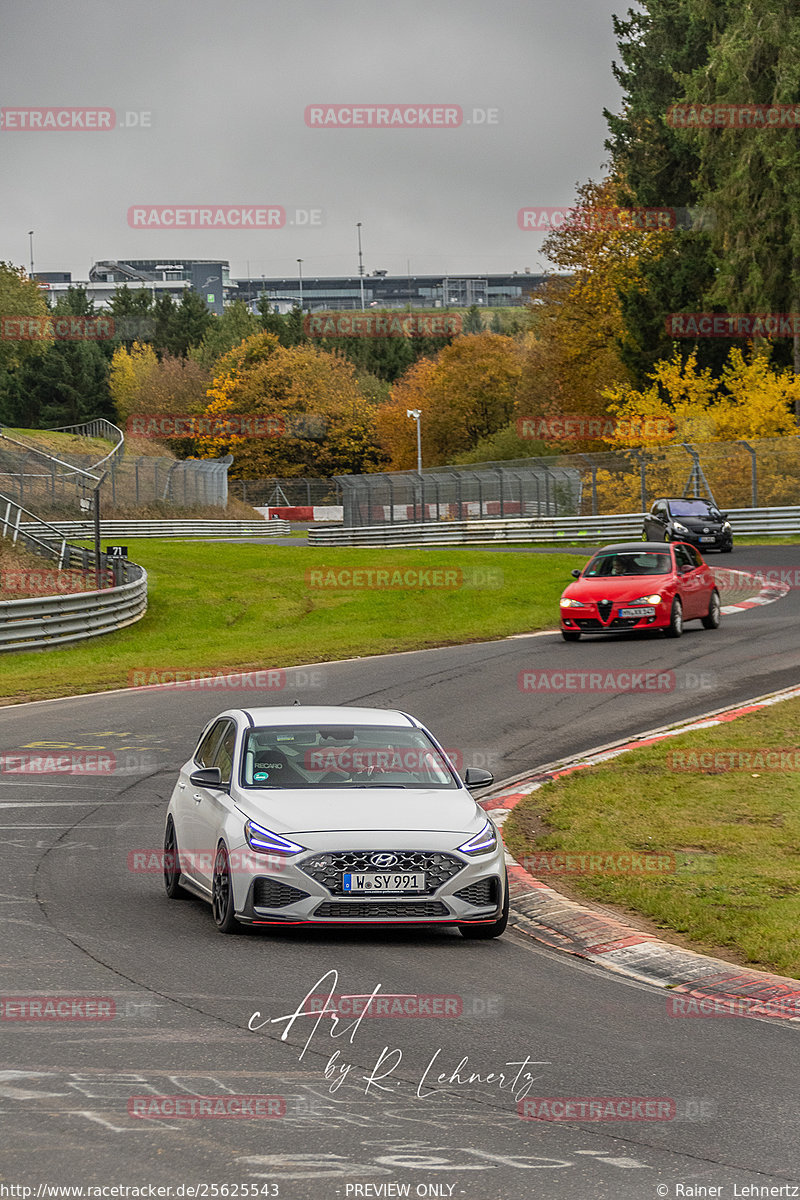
(524, 488)
(53, 489)
(286, 493)
(761, 472)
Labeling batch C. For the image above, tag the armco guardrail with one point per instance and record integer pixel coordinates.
(43, 621)
(484, 532)
(46, 621)
(745, 521)
(99, 428)
(171, 529)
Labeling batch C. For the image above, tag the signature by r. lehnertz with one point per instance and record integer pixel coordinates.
(381, 1077)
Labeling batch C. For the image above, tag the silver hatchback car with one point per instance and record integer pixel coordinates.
(332, 816)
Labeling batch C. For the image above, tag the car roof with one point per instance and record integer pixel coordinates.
(635, 547)
(330, 714)
(701, 499)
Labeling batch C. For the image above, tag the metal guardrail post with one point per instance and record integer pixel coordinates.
(753, 471)
(593, 468)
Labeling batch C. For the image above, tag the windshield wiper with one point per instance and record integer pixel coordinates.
(376, 785)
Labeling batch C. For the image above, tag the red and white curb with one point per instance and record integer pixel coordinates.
(716, 988)
(770, 591)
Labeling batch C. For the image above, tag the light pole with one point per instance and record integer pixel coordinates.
(360, 265)
(415, 414)
(30, 235)
(300, 268)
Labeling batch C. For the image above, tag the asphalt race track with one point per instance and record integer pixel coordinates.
(78, 922)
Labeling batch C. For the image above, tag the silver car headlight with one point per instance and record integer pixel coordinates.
(482, 842)
(266, 842)
(676, 525)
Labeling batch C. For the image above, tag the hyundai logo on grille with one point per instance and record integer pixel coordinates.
(383, 860)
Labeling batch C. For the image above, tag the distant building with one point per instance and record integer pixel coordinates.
(211, 279)
(382, 290)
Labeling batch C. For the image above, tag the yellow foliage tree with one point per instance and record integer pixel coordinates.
(752, 401)
(316, 419)
(130, 369)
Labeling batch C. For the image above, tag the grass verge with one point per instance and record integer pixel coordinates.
(216, 607)
(734, 834)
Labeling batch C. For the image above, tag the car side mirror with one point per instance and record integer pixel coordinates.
(476, 777)
(575, 574)
(206, 777)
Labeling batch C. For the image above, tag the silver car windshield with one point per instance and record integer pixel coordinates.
(337, 756)
(640, 563)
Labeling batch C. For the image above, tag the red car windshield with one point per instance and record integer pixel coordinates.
(631, 563)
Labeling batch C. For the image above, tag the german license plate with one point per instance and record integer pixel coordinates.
(708, 539)
(389, 881)
(637, 612)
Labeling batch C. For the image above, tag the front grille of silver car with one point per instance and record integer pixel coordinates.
(376, 909)
(329, 868)
(272, 893)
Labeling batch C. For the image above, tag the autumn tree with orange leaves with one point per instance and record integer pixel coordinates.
(467, 393)
(318, 421)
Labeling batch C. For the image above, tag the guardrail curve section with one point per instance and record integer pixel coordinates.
(39, 622)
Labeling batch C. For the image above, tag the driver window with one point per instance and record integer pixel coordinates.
(224, 755)
(204, 754)
(684, 558)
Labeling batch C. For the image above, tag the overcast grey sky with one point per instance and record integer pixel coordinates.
(227, 83)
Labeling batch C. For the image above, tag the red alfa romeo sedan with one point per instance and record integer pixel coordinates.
(640, 585)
